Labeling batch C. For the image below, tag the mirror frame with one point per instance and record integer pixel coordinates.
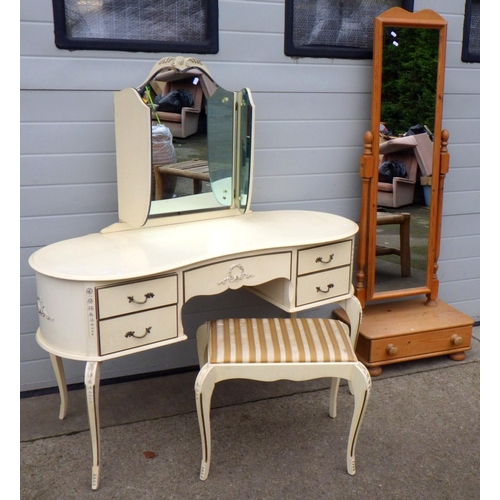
(134, 154)
(366, 257)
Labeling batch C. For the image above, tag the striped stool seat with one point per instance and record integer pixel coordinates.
(277, 349)
(278, 340)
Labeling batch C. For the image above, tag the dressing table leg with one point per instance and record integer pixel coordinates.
(58, 367)
(92, 378)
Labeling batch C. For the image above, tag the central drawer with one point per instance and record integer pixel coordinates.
(247, 271)
(135, 330)
(136, 296)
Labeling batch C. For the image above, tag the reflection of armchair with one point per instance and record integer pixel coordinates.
(185, 123)
(414, 151)
(400, 192)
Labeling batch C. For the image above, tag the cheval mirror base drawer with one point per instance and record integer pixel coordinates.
(408, 330)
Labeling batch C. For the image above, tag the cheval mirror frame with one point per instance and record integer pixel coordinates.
(366, 257)
(397, 325)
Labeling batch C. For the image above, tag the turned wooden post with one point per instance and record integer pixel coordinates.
(366, 173)
(435, 237)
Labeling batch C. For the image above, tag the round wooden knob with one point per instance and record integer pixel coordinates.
(391, 349)
(456, 339)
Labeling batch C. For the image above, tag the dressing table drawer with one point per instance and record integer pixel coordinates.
(325, 285)
(136, 296)
(249, 271)
(324, 257)
(135, 330)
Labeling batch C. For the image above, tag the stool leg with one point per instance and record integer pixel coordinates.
(361, 386)
(334, 390)
(204, 387)
(202, 343)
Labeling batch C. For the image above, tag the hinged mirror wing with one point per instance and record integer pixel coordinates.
(402, 166)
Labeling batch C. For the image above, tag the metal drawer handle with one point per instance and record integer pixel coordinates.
(318, 288)
(146, 295)
(132, 334)
(320, 259)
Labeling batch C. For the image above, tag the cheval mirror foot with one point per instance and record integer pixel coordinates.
(403, 166)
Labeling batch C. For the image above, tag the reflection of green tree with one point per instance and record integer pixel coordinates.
(409, 78)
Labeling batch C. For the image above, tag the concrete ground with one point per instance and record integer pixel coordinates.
(419, 439)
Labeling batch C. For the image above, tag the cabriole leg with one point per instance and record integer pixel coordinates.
(204, 387)
(92, 376)
(202, 343)
(57, 365)
(361, 386)
(334, 390)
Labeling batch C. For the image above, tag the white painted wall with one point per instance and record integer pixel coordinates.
(311, 117)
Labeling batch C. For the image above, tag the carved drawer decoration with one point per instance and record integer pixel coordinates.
(250, 271)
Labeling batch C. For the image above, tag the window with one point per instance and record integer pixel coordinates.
(334, 28)
(470, 42)
(139, 26)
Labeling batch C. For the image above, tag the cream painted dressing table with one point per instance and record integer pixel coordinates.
(122, 291)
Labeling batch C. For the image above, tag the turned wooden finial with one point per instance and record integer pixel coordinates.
(445, 135)
(368, 139)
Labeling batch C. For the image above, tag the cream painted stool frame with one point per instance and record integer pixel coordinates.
(354, 372)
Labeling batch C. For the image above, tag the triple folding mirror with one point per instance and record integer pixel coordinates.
(184, 147)
(405, 159)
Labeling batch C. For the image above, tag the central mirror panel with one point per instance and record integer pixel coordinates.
(409, 79)
(184, 147)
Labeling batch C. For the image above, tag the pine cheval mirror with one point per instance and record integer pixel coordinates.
(403, 166)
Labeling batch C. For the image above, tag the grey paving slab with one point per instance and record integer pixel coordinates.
(420, 439)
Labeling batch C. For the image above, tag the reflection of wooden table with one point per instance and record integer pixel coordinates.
(403, 251)
(191, 169)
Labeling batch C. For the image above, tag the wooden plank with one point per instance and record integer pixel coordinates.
(39, 231)
(63, 138)
(61, 169)
(465, 202)
(315, 106)
(290, 161)
(64, 200)
(66, 106)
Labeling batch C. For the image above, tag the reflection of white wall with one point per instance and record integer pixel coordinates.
(311, 115)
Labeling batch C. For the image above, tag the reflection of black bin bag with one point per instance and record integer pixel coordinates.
(418, 129)
(390, 169)
(174, 101)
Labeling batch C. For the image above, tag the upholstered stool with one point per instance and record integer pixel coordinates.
(275, 349)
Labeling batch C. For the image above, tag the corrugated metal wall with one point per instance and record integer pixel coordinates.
(311, 117)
